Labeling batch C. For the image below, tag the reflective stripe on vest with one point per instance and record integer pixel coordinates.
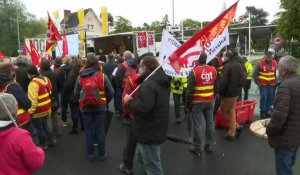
(177, 85)
(267, 75)
(43, 99)
(23, 116)
(102, 89)
(205, 77)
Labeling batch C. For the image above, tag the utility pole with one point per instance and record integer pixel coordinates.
(18, 29)
(173, 12)
(249, 35)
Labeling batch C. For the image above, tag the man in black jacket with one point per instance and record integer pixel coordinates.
(150, 125)
(49, 73)
(284, 128)
(233, 78)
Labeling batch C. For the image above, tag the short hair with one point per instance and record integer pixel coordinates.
(110, 56)
(228, 54)
(150, 62)
(290, 63)
(23, 60)
(127, 54)
(45, 64)
(11, 104)
(202, 58)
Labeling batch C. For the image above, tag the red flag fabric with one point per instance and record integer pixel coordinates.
(2, 54)
(52, 35)
(26, 51)
(142, 39)
(202, 41)
(35, 57)
(65, 46)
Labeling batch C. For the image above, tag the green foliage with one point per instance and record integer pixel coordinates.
(122, 25)
(258, 16)
(156, 27)
(289, 21)
(29, 26)
(191, 27)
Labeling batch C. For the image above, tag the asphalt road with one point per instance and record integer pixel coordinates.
(249, 155)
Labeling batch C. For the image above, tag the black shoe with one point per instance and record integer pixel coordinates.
(125, 170)
(73, 132)
(268, 115)
(229, 137)
(263, 116)
(196, 150)
(178, 120)
(239, 130)
(91, 158)
(208, 148)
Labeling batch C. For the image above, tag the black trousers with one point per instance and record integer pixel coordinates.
(129, 150)
(176, 98)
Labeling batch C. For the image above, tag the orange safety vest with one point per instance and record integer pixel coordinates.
(128, 71)
(23, 116)
(205, 77)
(44, 100)
(267, 75)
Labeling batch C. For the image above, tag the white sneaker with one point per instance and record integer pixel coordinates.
(64, 124)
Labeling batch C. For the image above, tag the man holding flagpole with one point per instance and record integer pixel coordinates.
(151, 107)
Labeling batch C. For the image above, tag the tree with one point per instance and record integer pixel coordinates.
(156, 26)
(146, 26)
(258, 16)
(28, 24)
(289, 21)
(191, 26)
(122, 25)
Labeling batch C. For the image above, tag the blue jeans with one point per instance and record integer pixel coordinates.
(285, 160)
(94, 131)
(149, 162)
(43, 132)
(266, 98)
(203, 123)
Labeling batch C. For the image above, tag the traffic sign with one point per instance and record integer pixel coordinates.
(277, 40)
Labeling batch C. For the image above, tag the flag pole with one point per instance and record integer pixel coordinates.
(149, 76)
(9, 114)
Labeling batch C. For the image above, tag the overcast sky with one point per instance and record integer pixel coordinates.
(141, 11)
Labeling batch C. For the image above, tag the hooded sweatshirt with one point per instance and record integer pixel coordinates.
(18, 153)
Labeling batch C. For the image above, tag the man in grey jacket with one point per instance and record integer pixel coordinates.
(284, 128)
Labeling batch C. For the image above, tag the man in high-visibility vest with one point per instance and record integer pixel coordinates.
(39, 93)
(178, 86)
(264, 75)
(202, 81)
(247, 85)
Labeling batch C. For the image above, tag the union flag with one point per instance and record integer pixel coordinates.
(35, 57)
(52, 35)
(209, 40)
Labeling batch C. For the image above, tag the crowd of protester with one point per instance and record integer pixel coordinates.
(40, 100)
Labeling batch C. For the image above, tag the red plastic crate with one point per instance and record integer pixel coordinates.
(244, 114)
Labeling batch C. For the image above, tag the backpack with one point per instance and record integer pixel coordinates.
(92, 90)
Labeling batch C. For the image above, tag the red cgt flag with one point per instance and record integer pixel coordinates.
(26, 51)
(52, 35)
(65, 46)
(203, 40)
(35, 57)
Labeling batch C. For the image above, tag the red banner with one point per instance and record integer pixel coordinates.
(150, 38)
(52, 35)
(35, 57)
(203, 39)
(142, 39)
